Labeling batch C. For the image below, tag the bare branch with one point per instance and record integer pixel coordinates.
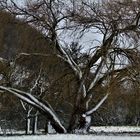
(98, 105)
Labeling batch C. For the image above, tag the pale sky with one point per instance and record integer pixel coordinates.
(89, 39)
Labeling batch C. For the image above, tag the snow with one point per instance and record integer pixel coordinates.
(93, 136)
(95, 129)
(115, 129)
(70, 137)
(99, 129)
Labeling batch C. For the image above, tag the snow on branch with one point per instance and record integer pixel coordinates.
(97, 74)
(23, 105)
(71, 62)
(98, 105)
(37, 80)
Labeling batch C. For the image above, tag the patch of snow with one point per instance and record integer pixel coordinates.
(115, 129)
(50, 128)
(70, 137)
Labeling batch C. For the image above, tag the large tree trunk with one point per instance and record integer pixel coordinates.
(81, 118)
(79, 122)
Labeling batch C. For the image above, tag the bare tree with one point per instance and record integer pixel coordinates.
(117, 25)
(32, 113)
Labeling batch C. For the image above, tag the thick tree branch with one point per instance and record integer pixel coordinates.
(97, 106)
(40, 105)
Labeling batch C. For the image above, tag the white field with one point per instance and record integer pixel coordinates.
(96, 129)
(70, 137)
(105, 129)
(115, 129)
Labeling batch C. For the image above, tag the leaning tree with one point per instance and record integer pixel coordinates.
(113, 28)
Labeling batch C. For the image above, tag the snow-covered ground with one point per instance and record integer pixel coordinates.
(115, 129)
(71, 137)
(95, 129)
(105, 129)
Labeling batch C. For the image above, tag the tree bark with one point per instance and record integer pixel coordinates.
(80, 122)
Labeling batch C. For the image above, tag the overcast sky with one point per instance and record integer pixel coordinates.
(90, 39)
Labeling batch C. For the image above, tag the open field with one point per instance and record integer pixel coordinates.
(98, 133)
(70, 137)
(94, 130)
(115, 129)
